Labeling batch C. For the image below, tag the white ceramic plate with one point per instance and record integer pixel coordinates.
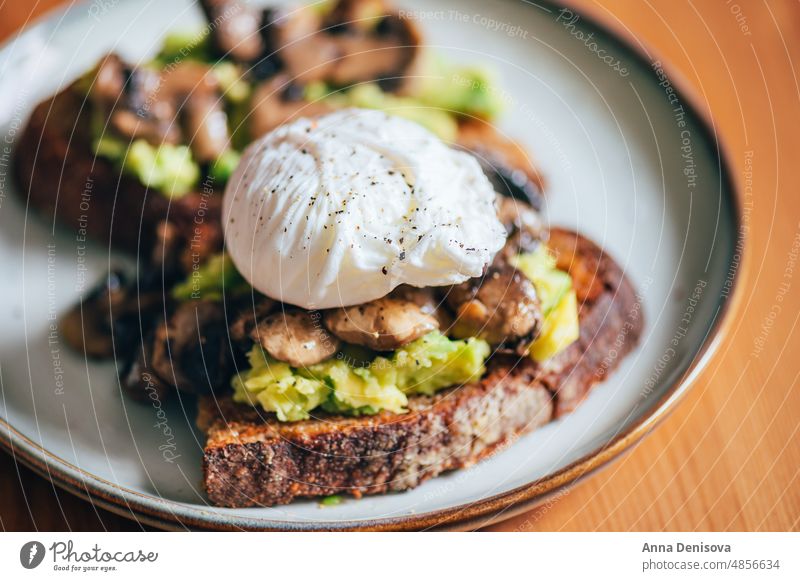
(618, 160)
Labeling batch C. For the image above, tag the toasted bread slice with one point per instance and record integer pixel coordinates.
(251, 459)
(63, 180)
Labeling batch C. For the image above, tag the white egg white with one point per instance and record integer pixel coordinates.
(340, 210)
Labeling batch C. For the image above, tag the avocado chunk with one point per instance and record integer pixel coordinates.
(540, 267)
(211, 280)
(166, 168)
(561, 329)
(278, 388)
(559, 302)
(465, 90)
(370, 96)
(222, 168)
(184, 44)
(342, 385)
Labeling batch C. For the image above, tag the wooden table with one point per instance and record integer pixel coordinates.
(728, 458)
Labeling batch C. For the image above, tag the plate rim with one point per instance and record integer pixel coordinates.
(168, 514)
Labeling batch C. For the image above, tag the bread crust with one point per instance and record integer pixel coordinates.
(251, 459)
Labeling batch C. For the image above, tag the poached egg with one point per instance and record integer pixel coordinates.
(339, 210)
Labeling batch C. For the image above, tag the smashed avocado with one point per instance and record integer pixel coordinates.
(184, 44)
(465, 90)
(540, 267)
(166, 168)
(560, 329)
(559, 303)
(443, 93)
(370, 96)
(223, 166)
(211, 280)
(342, 385)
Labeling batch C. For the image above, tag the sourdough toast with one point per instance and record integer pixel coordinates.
(251, 459)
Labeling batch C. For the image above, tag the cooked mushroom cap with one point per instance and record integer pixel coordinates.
(201, 239)
(87, 327)
(236, 32)
(192, 89)
(523, 224)
(374, 43)
(295, 337)
(428, 300)
(501, 308)
(365, 58)
(249, 314)
(356, 42)
(518, 215)
(186, 78)
(384, 324)
(110, 319)
(143, 103)
(109, 80)
(154, 130)
(139, 380)
(191, 350)
(130, 97)
(273, 105)
(307, 53)
(361, 15)
(505, 162)
(206, 126)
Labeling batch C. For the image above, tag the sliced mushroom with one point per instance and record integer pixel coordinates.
(236, 33)
(108, 320)
(523, 225)
(191, 350)
(186, 78)
(109, 79)
(130, 98)
(389, 53)
(519, 215)
(139, 381)
(505, 162)
(154, 130)
(360, 15)
(275, 102)
(297, 338)
(501, 307)
(163, 269)
(206, 127)
(355, 42)
(383, 325)
(166, 252)
(192, 89)
(145, 104)
(197, 218)
(306, 53)
(427, 299)
(248, 314)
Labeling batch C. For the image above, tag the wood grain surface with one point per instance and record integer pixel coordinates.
(728, 457)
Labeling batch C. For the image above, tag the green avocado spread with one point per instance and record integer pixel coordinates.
(344, 384)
